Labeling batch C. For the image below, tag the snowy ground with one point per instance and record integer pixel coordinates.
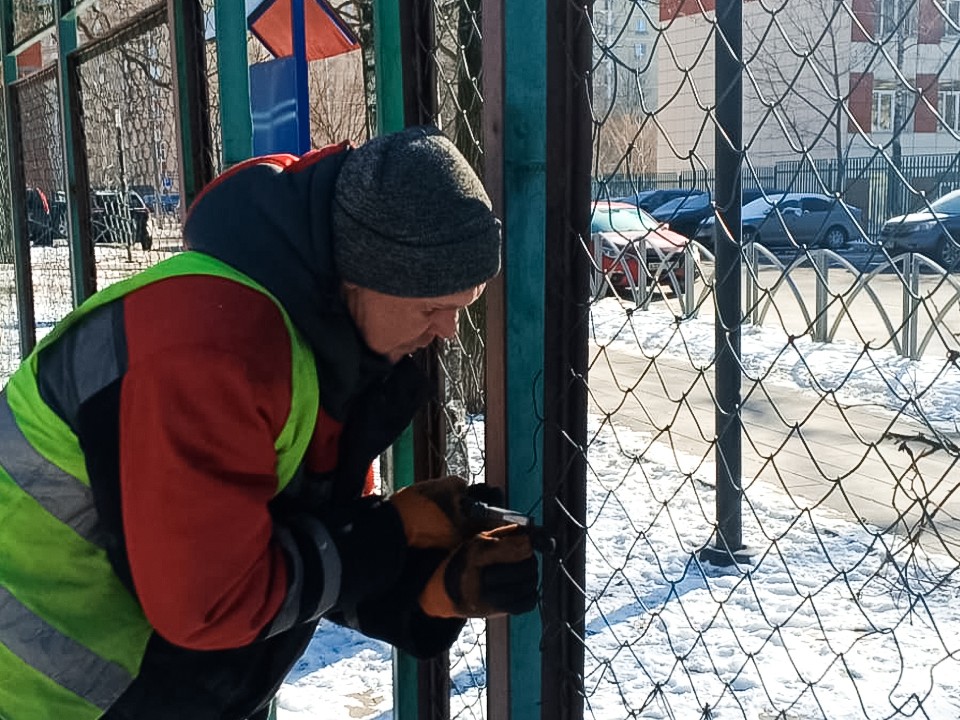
(927, 389)
(831, 621)
(826, 623)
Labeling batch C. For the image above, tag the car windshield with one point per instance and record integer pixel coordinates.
(686, 202)
(623, 220)
(761, 206)
(949, 204)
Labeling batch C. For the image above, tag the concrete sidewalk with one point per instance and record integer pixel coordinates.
(846, 458)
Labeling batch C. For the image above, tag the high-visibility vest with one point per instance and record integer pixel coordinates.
(72, 637)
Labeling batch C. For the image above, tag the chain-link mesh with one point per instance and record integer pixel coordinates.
(29, 17)
(453, 47)
(100, 20)
(213, 87)
(130, 140)
(37, 107)
(834, 465)
(9, 312)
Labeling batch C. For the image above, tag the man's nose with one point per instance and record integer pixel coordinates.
(445, 324)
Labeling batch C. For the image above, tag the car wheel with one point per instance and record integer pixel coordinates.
(40, 235)
(949, 254)
(834, 238)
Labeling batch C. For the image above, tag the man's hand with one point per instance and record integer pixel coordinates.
(492, 573)
(435, 512)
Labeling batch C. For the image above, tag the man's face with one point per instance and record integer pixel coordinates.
(396, 326)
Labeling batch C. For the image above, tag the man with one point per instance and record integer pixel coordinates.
(182, 459)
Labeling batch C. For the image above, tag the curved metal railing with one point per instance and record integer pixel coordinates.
(903, 328)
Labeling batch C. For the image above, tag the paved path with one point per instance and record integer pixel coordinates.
(842, 457)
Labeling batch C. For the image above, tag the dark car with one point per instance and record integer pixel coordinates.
(933, 231)
(684, 214)
(163, 202)
(785, 219)
(118, 220)
(619, 232)
(651, 199)
(38, 217)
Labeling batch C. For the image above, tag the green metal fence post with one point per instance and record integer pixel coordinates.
(23, 279)
(389, 66)
(524, 188)
(236, 122)
(390, 112)
(189, 63)
(82, 268)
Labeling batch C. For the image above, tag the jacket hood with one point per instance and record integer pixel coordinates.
(270, 218)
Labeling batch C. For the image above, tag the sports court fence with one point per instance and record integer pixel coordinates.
(747, 450)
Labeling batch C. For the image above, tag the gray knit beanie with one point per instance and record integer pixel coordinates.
(411, 218)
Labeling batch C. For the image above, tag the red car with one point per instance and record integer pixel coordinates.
(621, 234)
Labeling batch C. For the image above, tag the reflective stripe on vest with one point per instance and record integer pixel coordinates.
(72, 652)
(87, 675)
(61, 494)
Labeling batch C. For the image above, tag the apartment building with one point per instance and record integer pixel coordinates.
(822, 79)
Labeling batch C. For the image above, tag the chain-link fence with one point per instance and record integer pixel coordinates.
(442, 43)
(769, 515)
(36, 108)
(122, 143)
(9, 312)
(772, 518)
(130, 145)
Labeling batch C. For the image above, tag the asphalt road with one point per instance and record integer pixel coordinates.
(848, 459)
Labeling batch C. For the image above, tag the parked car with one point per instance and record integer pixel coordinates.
(163, 202)
(782, 219)
(933, 231)
(686, 213)
(115, 220)
(651, 199)
(619, 233)
(38, 217)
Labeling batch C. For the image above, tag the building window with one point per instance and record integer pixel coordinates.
(951, 9)
(882, 120)
(886, 17)
(897, 18)
(640, 49)
(948, 104)
(642, 23)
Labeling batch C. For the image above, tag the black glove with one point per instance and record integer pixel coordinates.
(435, 512)
(395, 616)
(492, 573)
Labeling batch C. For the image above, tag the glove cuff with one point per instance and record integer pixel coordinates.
(435, 601)
(424, 523)
(370, 540)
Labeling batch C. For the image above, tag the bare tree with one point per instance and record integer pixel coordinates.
(625, 144)
(802, 81)
(358, 15)
(338, 109)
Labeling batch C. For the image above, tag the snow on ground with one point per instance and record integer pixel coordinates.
(927, 389)
(831, 621)
(825, 624)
